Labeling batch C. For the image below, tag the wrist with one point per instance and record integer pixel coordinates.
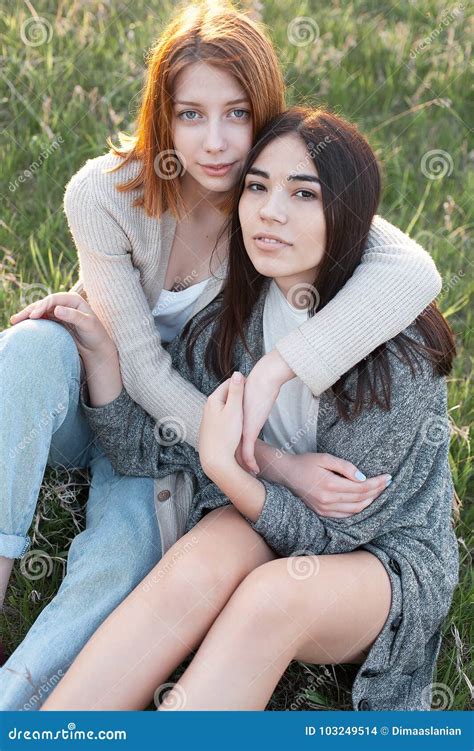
(216, 469)
(279, 370)
(105, 354)
(273, 463)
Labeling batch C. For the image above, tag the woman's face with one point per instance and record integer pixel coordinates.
(281, 214)
(212, 126)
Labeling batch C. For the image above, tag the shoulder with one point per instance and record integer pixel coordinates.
(95, 179)
(383, 234)
(415, 386)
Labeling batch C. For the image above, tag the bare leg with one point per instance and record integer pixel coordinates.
(331, 615)
(164, 618)
(6, 565)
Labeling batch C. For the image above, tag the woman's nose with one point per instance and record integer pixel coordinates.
(215, 139)
(273, 210)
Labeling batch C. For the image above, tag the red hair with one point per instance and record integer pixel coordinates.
(222, 37)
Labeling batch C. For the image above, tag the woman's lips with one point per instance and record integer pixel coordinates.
(217, 171)
(269, 244)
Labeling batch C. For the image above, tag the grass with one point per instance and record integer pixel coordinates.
(399, 70)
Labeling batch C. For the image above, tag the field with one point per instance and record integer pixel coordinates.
(71, 75)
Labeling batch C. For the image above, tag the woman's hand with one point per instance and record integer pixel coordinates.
(316, 479)
(221, 427)
(261, 390)
(76, 314)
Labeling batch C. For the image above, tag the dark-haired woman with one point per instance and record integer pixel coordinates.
(259, 579)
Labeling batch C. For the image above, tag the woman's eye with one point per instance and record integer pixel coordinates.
(254, 186)
(307, 194)
(241, 114)
(183, 115)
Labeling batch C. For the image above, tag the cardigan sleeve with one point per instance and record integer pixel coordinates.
(411, 442)
(134, 441)
(113, 288)
(136, 444)
(392, 285)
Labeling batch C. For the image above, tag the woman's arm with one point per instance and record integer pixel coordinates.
(399, 440)
(134, 442)
(113, 288)
(392, 285)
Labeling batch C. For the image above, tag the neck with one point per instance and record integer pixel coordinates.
(299, 289)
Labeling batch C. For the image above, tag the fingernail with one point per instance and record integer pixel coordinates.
(389, 480)
(360, 475)
(237, 377)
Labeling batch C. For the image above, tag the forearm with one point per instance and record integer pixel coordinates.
(104, 381)
(275, 466)
(392, 285)
(245, 492)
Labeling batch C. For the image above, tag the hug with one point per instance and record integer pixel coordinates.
(308, 336)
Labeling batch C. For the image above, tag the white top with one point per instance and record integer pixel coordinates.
(173, 309)
(292, 422)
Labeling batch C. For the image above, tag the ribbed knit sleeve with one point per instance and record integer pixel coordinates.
(392, 285)
(113, 287)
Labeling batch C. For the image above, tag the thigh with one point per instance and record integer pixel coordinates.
(341, 607)
(213, 557)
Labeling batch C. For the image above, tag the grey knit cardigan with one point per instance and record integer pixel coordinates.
(408, 527)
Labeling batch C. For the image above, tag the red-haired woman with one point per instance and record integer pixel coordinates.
(146, 220)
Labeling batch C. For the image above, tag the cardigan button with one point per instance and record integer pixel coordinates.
(364, 705)
(163, 495)
(396, 622)
(395, 566)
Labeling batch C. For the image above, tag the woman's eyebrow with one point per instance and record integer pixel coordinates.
(242, 100)
(293, 177)
(305, 178)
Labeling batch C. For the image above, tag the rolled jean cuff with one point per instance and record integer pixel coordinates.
(13, 546)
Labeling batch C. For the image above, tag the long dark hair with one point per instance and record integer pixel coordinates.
(350, 184)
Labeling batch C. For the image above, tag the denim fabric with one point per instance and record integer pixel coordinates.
(42, 424)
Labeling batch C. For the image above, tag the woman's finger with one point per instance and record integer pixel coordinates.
(73, 317)
(345, 468)
(40, 307)
(346, 509)
(219, 395)
(235, 393)
(340, 485)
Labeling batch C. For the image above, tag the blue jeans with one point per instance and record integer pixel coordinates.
(42, 423)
